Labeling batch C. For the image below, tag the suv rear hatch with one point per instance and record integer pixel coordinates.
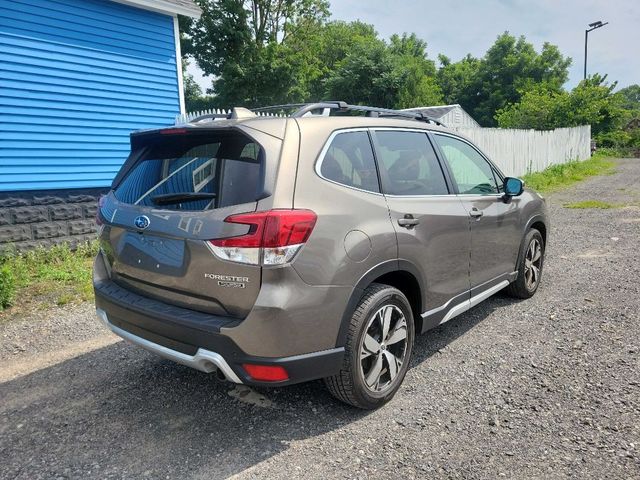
(170, 199)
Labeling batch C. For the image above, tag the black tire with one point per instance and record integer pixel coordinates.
(520, 287)
(349, 384)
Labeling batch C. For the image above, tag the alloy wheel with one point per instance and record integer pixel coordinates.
(533, 264)
(383, 348)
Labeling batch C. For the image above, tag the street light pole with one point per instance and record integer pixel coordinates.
(592, 26)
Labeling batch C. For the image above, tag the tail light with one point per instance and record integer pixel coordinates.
(274, 237)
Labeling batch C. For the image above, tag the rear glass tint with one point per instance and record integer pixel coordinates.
(193, 172)
(349, 161)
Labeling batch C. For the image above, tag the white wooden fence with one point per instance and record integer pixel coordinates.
(517, 152)
(187, 117)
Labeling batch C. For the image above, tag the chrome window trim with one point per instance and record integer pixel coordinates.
(412, 130)
(335, 133)
(449, 195)
(399, 129)
(324, 151)
(498, 195)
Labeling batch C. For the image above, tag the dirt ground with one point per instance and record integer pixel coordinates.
(543, 388)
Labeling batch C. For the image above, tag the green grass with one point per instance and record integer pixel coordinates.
(592, 204)
(600, 204)
(45, 277)
(561, 176)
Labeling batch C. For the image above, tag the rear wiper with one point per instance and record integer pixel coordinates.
(170, 198)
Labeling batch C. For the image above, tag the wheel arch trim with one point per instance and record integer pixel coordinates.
(388, 266)
(538, 218)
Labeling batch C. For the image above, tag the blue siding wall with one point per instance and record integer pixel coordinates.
(76, 77)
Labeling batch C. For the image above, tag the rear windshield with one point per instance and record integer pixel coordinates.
(192, 171)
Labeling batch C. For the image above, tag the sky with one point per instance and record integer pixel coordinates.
(458, 27)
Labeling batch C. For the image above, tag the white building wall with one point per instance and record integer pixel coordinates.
(459, 118)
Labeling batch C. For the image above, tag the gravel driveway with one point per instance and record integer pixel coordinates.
(543, 388)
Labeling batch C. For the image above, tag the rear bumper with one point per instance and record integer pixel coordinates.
(203, 360)
(195, 339)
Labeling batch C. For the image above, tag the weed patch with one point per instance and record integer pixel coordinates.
(44, 277)
(592, 204)
(561, 176)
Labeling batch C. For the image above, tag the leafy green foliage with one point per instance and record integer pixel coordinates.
(323, 49)
(459, 80)
(629, 135)
(57, 275)
(592, 102)
(247, 46)
(263, 52)
(7, 287)
(631, 97)
(276, 51)
(366, 75)
(539, 108)
(510, 67)
(419, 85)
(397, 75)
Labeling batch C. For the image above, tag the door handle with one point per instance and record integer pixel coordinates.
(475, 213)
(408, 221)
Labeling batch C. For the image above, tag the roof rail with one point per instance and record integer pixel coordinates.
(279, 107)
(304, 109)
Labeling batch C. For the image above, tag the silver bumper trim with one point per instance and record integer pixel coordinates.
(204, 360)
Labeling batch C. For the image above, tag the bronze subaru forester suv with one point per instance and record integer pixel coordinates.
(280, 249)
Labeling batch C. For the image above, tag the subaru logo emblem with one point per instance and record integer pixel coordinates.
(142, 222)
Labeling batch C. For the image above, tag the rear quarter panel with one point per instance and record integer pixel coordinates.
(348, 219)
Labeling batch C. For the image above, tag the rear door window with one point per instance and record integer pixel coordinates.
(349, 161)
(408, 164)
(193, 172)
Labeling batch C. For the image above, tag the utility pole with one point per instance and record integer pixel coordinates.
(592, 26)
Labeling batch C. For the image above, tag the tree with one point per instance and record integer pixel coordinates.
(510, 67)
(418, 86)
(459, 81)
(244, 45)
(631, 97)
(193, 97)
(592, 102)
(394, 75)
(539, 108)
(322, 49)
(366, 76)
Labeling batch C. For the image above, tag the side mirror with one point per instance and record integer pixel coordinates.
(513, 186)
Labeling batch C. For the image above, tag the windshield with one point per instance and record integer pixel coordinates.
(193, 172)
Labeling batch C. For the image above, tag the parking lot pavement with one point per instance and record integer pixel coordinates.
(544, 388)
